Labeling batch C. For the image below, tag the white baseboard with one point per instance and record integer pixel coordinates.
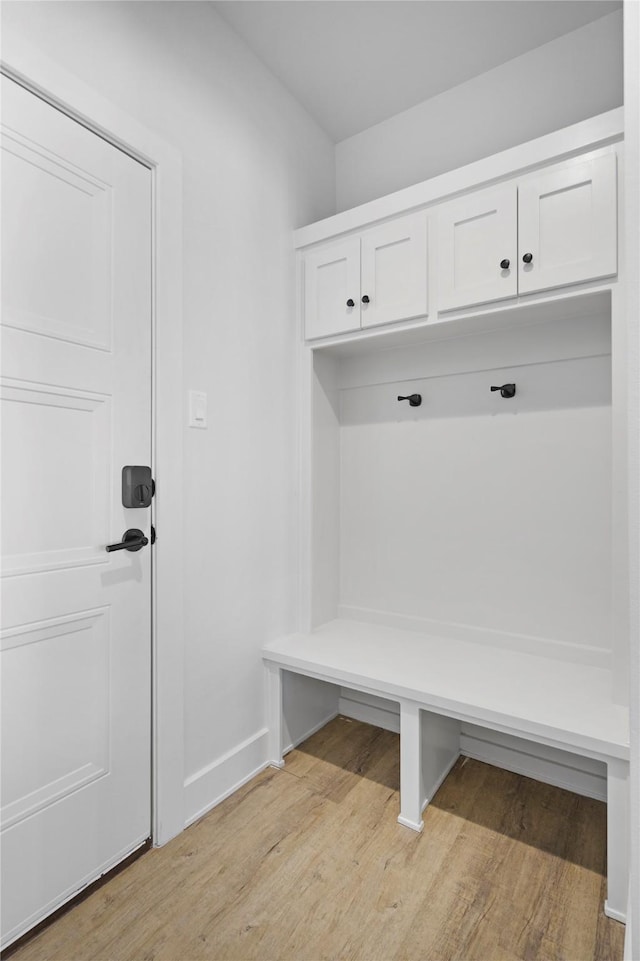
(215, 782)
(550, 765)
(616, 915)
(413, 825)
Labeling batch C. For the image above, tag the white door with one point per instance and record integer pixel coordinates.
(477, 241)
(394, 271)
(75, 638)
(332, 289)
(568, 224)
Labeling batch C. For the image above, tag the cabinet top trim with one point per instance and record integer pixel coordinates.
(587, 135)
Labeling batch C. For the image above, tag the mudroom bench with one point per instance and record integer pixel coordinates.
(441, 682)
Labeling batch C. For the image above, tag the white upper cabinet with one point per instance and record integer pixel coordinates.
(394, 271)
(568, 224)
(554, 228)
(332, 288)
(377, 277)
(477, 248)
(547, 229)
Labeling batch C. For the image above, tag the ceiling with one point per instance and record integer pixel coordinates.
(354, 63)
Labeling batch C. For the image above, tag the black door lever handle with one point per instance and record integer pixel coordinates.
(132, 540)
(507, 390)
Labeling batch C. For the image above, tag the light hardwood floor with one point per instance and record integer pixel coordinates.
(308, 863)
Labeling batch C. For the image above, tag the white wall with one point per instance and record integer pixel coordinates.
(496, 523)
(567, 80)
(255, 166)
(477, 514)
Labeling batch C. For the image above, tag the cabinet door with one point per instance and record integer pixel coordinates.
(568, 224)
(476, 234)
(331, 278)
(394, 271)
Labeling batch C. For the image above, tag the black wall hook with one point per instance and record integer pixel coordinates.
(507, 390)
(414, 399)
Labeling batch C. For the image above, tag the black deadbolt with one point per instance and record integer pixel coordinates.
(414, 399)
(137, 486)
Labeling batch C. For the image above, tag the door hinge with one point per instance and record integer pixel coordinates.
(153, 534)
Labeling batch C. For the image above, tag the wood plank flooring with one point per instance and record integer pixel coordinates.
(309, 863)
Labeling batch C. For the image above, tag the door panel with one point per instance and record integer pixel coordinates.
(75, 396)
(56, 695)
(71, 298)
(568, 224)
(394, 271)
(475, 235)
(45, 431)
(331, 278)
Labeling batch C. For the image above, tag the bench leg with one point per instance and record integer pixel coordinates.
(273, 676)
(617, 839)
(411, 792)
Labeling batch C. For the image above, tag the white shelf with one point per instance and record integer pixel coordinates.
(589, 300)
(559, 703)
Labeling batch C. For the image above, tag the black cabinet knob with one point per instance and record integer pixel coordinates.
(527, 258)
(505, 264)
(365, 299)
(350, 303)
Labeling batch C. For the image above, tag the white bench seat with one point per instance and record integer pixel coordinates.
(558, 703)
(440, 682)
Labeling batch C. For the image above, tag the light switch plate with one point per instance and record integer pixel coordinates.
(197, 409)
